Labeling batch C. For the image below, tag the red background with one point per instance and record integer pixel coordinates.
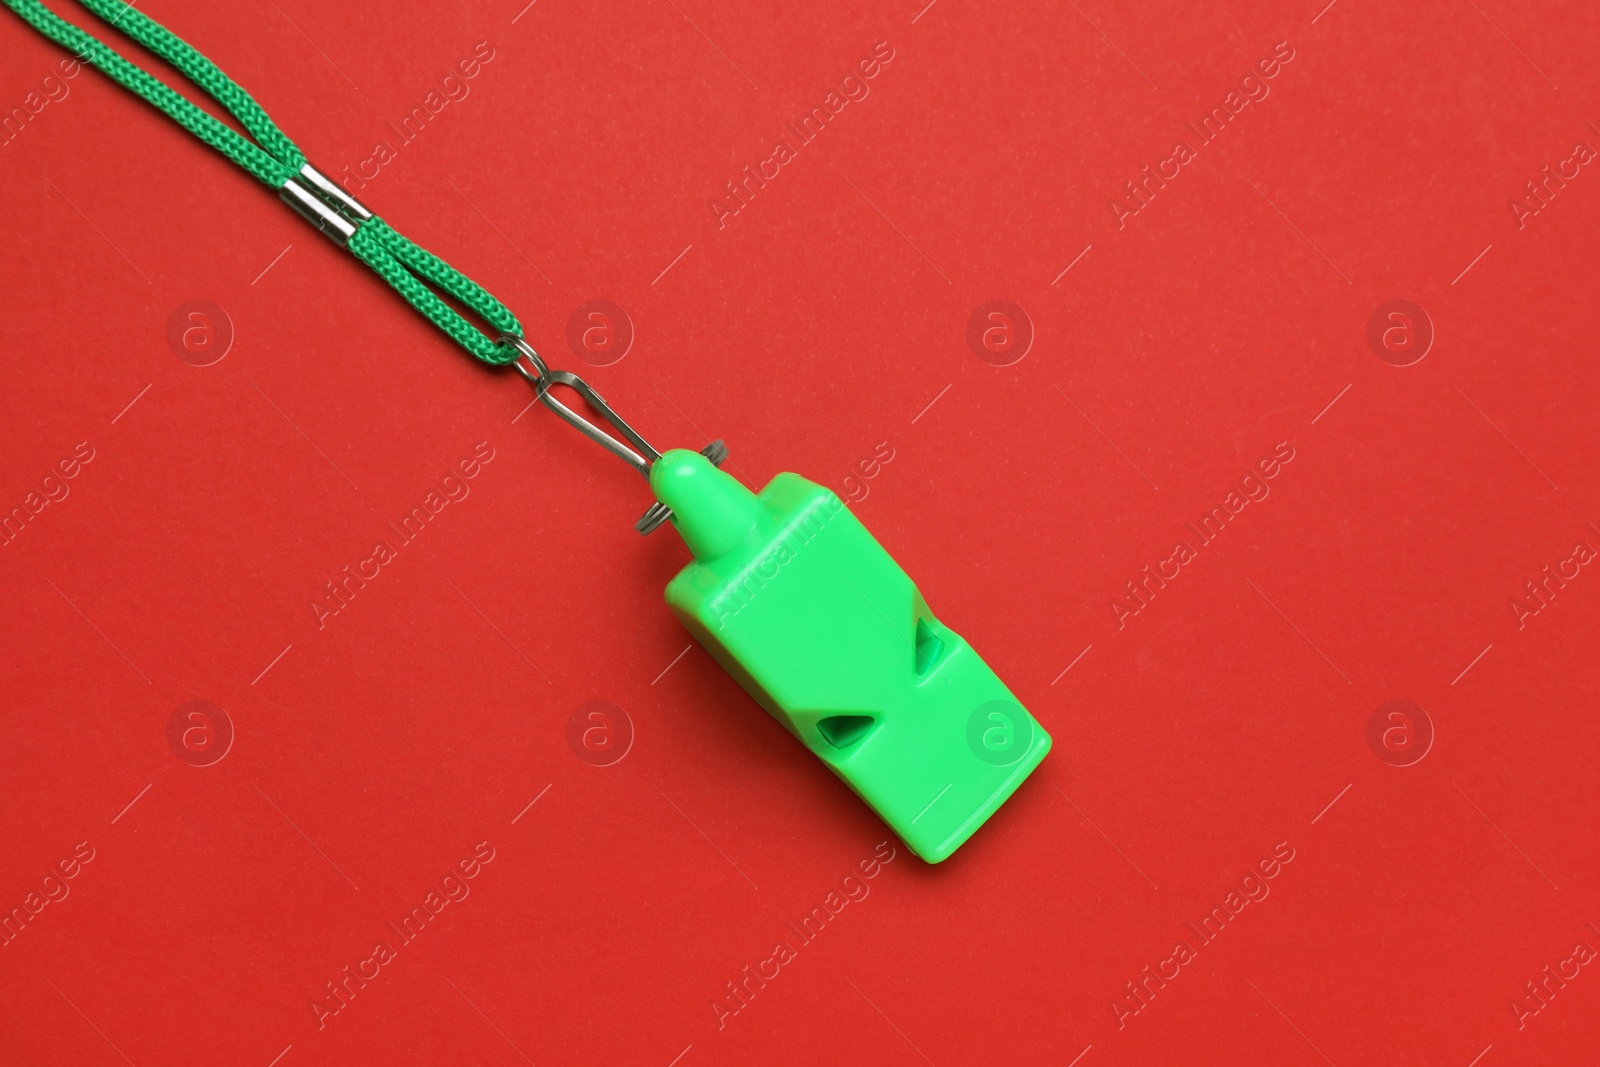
(1224, 718)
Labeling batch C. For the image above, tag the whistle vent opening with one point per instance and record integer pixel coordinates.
(842, 731)
(929, 648)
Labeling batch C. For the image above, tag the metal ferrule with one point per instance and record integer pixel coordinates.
(333, 193)
(317, 211)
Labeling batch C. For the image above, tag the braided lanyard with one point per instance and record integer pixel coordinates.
(274, 160)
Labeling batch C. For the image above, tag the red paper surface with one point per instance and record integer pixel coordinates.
(1147, 364)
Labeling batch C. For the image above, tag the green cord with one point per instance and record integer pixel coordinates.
(202, 72)
(207, 128)
(398, 260)
(413, 271)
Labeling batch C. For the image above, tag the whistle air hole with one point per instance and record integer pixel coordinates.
(842, 731)
(929, 648)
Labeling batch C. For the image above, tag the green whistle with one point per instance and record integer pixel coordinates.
(792, 595)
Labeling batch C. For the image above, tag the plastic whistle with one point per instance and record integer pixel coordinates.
(792, 595)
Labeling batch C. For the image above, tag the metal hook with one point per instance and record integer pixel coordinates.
(541, 377)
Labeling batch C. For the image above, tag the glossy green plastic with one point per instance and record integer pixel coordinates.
(801, 604)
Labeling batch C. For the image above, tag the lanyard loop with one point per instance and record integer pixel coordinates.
(274, 160)
(266, 167)
(154, 37)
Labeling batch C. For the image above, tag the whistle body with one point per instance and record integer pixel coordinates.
(792, 595)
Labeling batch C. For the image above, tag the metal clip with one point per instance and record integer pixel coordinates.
(541, 377)
(641, 456)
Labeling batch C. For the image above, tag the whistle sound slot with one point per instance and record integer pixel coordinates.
(929, 648)
(843, 731)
